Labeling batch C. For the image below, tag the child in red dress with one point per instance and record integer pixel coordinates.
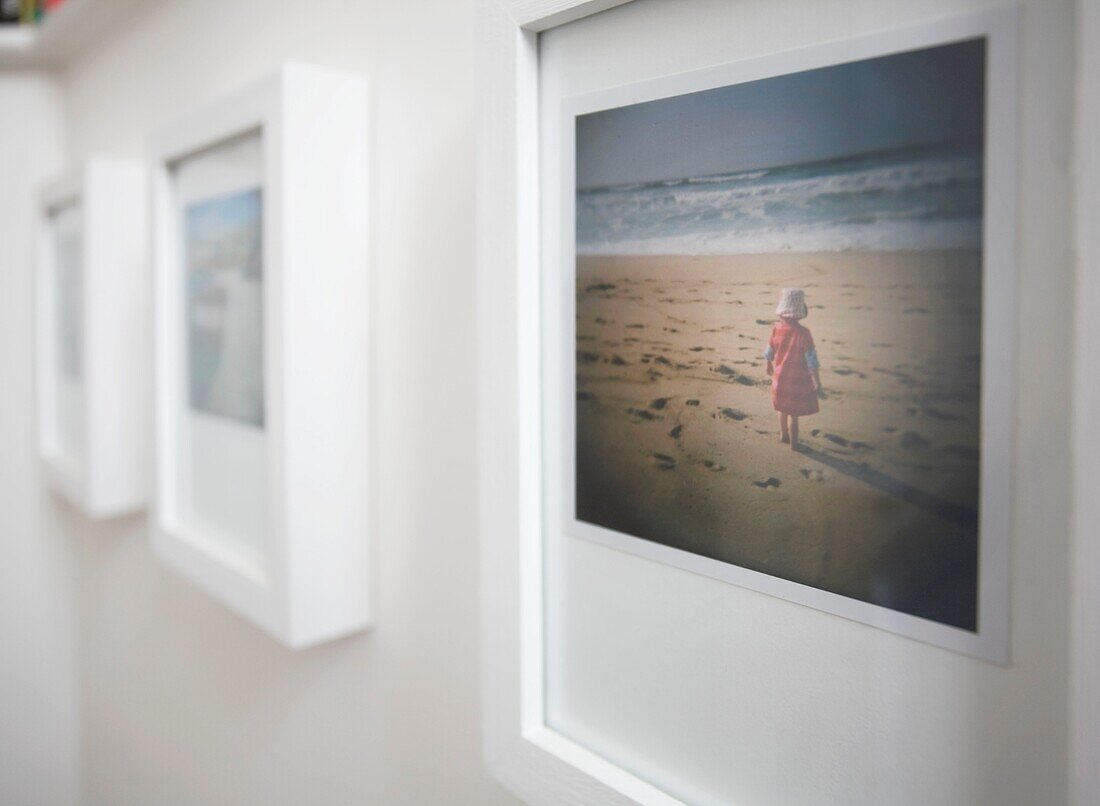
(792, 365)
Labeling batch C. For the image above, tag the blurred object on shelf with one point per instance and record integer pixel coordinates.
(30, 12)
(9, 11)
(27, 12)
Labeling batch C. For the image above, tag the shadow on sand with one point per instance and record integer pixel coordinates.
(948, 510)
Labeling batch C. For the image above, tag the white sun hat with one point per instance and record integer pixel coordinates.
(792, 304)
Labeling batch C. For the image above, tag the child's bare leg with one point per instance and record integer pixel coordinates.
(794, 432)
(784, 433)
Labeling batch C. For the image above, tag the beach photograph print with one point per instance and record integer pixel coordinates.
(779, 326)
(225, 350)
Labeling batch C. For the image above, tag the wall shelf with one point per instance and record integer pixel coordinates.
(64, 33)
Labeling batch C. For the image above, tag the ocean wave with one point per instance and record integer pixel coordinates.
(848, 237)
(929, 200)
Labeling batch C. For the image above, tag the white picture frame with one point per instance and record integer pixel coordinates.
(538, 763)
(289, 549)
(92, 424)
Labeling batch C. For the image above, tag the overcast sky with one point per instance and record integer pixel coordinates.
(925, 96)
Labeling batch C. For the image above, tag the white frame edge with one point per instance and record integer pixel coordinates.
(538, 764)
(1084, 549)
(314, 585)
(535, 762)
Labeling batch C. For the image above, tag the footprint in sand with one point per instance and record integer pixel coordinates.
(836, 439)
(692, 402)
(713, 466)
(600, 287)
(641, 414)
(585, 396)
(664, 461)
(587, 358)
(675, 432)
(763, 322)
(769, 482)
(660, 403)
(733, 414)
(812, 475)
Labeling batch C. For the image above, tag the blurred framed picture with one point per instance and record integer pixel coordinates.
(783, 335)
(262, 326)
(92, 366)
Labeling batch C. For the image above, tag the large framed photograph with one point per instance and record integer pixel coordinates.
(650, 208)
(262, 331)
(92, 364)
(784, 329)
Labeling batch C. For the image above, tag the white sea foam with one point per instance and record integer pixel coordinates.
(928, 200)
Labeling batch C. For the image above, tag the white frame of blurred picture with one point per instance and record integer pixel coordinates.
(262, 429)
(92, 427)
(525, 341)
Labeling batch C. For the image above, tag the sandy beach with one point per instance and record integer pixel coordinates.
(677, 441)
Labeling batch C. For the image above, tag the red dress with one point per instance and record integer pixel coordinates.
(791, 349)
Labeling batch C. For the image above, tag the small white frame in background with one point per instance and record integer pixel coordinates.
(92, 422)
(303, 576)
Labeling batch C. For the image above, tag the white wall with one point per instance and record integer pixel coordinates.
(38, 677)
(182, 702)
(724, 695)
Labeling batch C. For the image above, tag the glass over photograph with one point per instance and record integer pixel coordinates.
(225, 306)
(69, 294)
(778, 326)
